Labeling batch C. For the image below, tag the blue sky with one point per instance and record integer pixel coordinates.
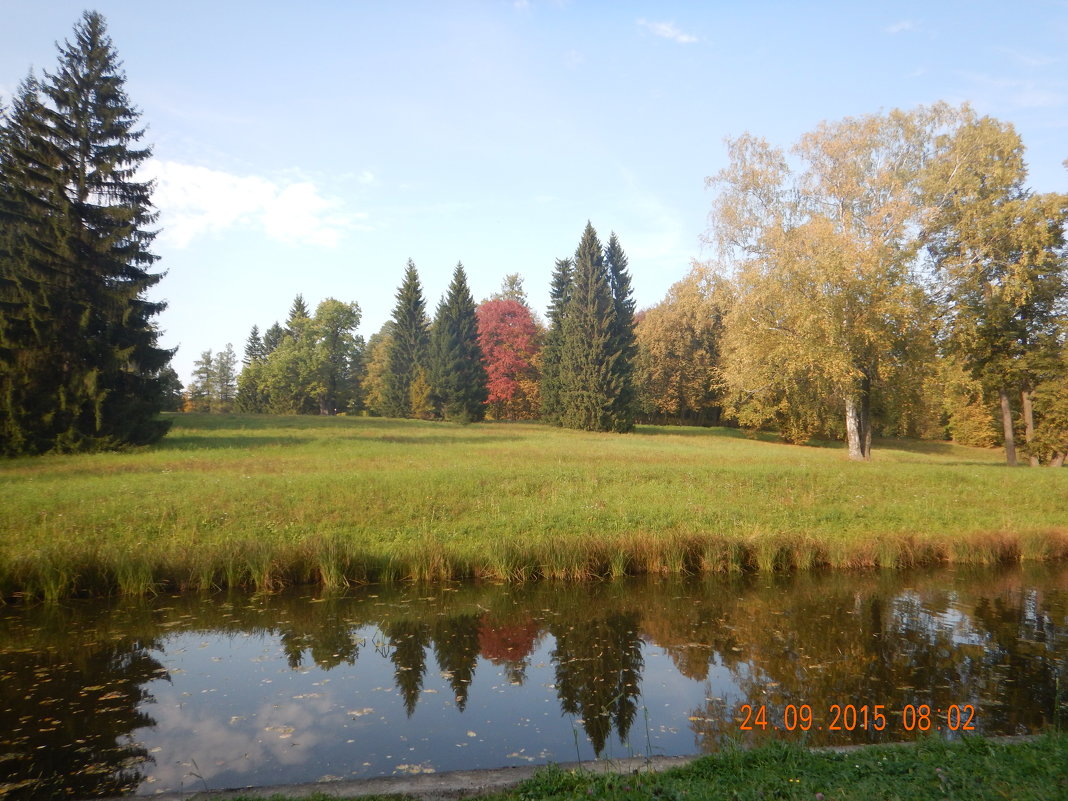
(314, 147)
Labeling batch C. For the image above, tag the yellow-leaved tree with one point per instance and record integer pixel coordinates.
(679, 343)
(823, 249)
(999, 253)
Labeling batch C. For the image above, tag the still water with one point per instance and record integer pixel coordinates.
(220, 691)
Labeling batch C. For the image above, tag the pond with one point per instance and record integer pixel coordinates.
(217, 691)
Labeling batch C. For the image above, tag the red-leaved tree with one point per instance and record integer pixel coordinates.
(511, 339)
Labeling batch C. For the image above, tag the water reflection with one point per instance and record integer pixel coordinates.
(222, 691)
(69, 713)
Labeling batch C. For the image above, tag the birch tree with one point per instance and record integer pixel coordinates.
(823, 251)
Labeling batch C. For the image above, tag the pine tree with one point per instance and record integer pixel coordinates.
(458, 375)
(254, 350)
(297, 312)
(624, 342)
(75, 280)
(559, 293)
(409, 345)
(589, 381)
(200, 394)
(272, 338)
(31, 330)
(224, 383)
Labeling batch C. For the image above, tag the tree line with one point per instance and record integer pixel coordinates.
(469, 360)
(890, 275)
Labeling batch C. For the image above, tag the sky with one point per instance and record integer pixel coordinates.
(315, 147)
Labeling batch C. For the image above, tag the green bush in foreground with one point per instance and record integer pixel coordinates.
(974, 769)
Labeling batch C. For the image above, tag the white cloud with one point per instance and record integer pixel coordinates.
(366, 178)
(667, 30)
(195, 201)
(901, 27)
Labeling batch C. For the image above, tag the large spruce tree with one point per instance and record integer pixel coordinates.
(559, 293)
(458, 375)
(409, 347)
(31, 198)
(80, 368)
(624, 342)
(589, 380)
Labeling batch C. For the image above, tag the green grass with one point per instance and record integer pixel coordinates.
(973, 770)
(263, 501)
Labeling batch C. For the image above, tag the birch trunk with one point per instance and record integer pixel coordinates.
(1006, 426)
(858, 423)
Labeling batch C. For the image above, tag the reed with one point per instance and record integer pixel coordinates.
(261, 502)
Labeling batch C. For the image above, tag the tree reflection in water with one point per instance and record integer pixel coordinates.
(598, 673)
(68, 714)
(74, 679)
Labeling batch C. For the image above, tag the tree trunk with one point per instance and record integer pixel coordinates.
(1029, 423)
(858, 423)
(1006, 425)
(1057, 460)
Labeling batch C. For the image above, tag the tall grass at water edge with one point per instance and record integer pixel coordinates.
(259, 502)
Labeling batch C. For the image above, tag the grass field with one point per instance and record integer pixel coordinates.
(262, 501)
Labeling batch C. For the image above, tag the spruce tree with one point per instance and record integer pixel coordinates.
(589, 382)
(409, 345)
(32, 331)
(201, 392)
(559, 293)
(250, 396)
(94, 126)
(254, 351)
(74, 282)
(272, 338)
(458, 375)
(624, 342)
(297, 312)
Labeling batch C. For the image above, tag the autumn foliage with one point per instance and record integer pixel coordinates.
(509, 336)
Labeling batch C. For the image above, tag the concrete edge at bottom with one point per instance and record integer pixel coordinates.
(427, 786)
(468, 783)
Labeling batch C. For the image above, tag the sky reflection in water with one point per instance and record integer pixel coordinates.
(188, 693)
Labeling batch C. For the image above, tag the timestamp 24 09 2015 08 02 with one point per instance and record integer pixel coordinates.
(853, 717)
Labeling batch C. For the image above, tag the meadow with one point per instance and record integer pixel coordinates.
(260, 502)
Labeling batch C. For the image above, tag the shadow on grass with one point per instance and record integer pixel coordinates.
(926, 447)
(943, 450)
(197, 432)
(213, 443)
(716, 432)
